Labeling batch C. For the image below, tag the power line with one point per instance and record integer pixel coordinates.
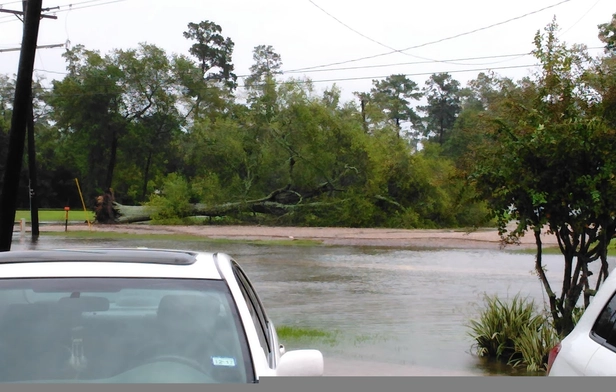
(71, 7)
(404, 63)
(89, 6)
(518, 55)
(363, 35)
(411, 63)
(335, 79)
(410, 74)
(81, 2)
(436, 41)
(370, 66)
(10, 2)
(428, 60)
(52, 72)
(582, 17)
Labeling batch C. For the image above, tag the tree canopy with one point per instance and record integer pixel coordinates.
(172, 136)
(547, 163)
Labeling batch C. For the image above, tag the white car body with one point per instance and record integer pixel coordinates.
(268, 361)
(589, 350)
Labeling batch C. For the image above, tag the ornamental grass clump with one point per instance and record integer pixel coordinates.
(513, 332)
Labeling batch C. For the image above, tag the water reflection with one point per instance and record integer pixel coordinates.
(404, 307)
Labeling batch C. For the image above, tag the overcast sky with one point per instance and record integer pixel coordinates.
(311, 33)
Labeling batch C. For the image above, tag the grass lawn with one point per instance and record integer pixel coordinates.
(555, 250)
(58, 215)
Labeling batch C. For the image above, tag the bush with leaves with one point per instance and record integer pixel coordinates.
(514, 332)
(171, 205)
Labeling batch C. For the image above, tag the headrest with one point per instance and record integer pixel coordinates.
(189, 309)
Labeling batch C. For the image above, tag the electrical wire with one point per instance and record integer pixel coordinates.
(363, 35)
(376, 66)
(411, 74)
(582, 17)
(62, 8)
(300, 81)
(394, 49)
(89, 6)
(516, 55)
(10, 2)
(436, 41)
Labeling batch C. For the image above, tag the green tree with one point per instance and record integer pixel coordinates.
(150, 99)
(607, 35)
(213, 52)
(208, 87)
(116, 112)
(267, 63)
(604, 81)
(393, 97)
(87, 110)
(198, 98)
(484, 94)
(7, 94)
(443, 95)
(261, 83)
(550, 166)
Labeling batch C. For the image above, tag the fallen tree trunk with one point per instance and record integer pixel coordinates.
(134, 214)
(277, 203)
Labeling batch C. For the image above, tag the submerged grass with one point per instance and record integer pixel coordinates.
(294, 335)
(288, 332)
(291, 336)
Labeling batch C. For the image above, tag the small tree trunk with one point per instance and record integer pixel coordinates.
(112, 159)
(544, 280)
(146, 175)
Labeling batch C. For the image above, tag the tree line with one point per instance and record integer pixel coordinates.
(174, 130)
(184, 133)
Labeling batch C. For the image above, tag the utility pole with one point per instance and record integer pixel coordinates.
(19, 120)
(32, 185)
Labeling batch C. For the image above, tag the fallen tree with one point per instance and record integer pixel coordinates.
(278, 203)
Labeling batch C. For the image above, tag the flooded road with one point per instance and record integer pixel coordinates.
(386, 311)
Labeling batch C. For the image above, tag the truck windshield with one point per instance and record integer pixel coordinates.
(116, 330)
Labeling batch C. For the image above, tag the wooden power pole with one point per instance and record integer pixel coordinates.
(19, 122)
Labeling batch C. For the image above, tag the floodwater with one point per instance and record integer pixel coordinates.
(391, 311)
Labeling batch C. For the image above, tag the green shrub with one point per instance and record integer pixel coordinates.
(514, 332)
(172, 205)
(499, 325)
(534, 344)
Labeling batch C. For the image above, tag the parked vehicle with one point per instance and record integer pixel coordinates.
(137, 316)
(590, 349)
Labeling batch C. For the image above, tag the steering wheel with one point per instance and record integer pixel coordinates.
(144, 352)
(148, 354)
(179, 359)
